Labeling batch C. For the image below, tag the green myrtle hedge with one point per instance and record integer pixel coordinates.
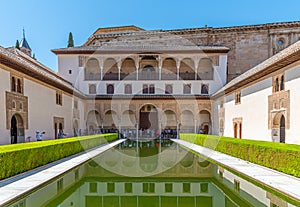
(18, 158)
(278, 156)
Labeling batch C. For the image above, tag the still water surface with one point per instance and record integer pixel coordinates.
(149, 173)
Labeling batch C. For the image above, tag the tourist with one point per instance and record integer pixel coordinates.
(39, 135)
(60, 134)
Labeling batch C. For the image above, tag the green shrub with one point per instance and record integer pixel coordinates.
(18, 158)
(278, 156)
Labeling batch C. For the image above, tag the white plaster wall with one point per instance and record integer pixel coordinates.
(292, 78)
(66, 63)
(215, 117)
(253, 110)
(220, 74)
(251, 189)
(42, 108)
(4, 86)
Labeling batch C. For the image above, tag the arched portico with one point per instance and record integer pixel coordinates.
(169, 69)
(110, 120)
(128, 120)
(187, 122)
(128, 69)
(187, 69)
(204, 122)
(110, 69)
(92, 70)
(93, 121)
(148, 117)
(169, 119)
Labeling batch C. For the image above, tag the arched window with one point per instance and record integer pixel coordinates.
(151, 89)
(169, 89)
(276, 85)
(13, 104)
(128, 89)
(92, 89)
(187, 89)
(13, 84)
(204, 89)
(19, 86)
(110, 89)
(282, 83)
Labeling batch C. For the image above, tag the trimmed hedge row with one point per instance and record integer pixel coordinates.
(18, 158)
(278, 156)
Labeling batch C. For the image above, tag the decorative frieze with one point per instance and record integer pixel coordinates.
(16, 103)
(278, 104)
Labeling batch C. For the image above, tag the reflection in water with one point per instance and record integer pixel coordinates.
(153, 173)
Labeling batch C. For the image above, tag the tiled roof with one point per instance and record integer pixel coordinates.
(24, 43)
(290, 52)
(20, 61)
(193, 30)
(141, 48)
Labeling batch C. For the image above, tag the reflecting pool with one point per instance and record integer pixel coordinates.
(150, 173)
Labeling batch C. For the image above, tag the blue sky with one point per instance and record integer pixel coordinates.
(48, 23)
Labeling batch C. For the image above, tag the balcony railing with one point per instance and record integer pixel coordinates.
(93, 76)
(168, 76)
(148, 75)
(187, 76)
(111, 76)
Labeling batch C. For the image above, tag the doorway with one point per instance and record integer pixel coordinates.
(148, 117)
(17, 129)
(282, 129)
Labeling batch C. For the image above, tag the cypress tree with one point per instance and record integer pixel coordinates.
(17, 44)
(70, 41)
(34, 56)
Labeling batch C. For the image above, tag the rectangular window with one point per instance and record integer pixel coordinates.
(145, 89)
(110, 187)
(70, 72)
(16, 84)
(93, 187)
(151, 89)
(238, 97)
(128, 187)
(148, 89)
(186, 187)
(148, 187)
(236, 185)
(59, 185)
(203, 187)
(168, 187)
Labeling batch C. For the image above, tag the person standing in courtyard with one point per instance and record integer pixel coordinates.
(39, 135)
(60, 134)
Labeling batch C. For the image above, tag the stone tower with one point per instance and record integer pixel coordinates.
(24, 46)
